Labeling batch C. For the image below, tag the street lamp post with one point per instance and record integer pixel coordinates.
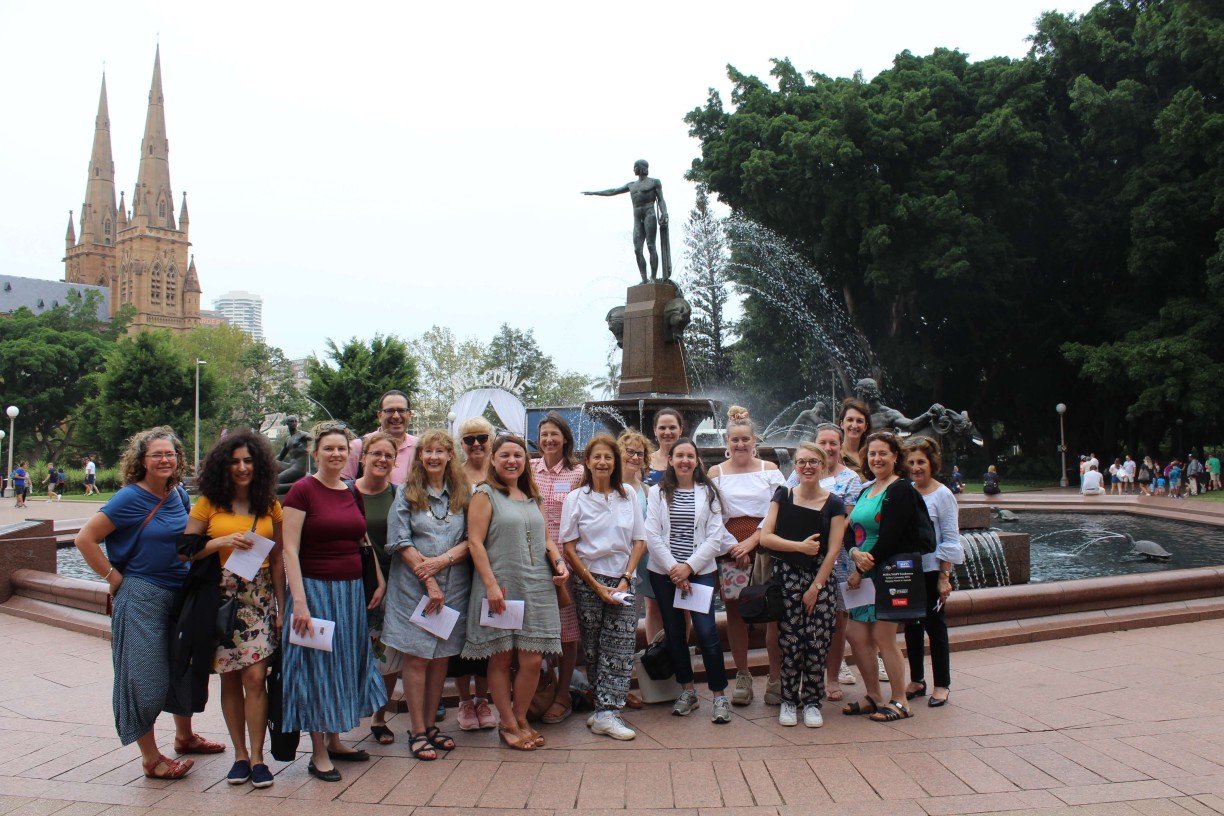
(12, 412)
(1062, 442)
(199, 362)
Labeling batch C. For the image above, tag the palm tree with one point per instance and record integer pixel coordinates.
(609, 383)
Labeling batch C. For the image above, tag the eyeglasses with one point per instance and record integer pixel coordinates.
(808, 463)
(159, 457)
(390, 457)
(630, 453)
(395, 411)
(473, 439)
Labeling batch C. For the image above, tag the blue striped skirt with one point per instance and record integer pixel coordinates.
(141, 626)
(331, 691)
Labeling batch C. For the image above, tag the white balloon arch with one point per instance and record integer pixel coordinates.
(508, 407)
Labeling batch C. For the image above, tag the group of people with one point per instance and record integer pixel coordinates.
(54, 482)
(1175, 479)
(418, 559)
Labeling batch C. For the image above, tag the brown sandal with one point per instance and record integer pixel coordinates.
(891, 712)
(198, 745)
(175, 769)
(514, 740)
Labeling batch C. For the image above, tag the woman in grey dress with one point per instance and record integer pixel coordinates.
(426, 538)
(515, 560)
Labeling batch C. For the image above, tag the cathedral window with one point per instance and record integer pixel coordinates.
(171, 285)
(161, 209)
(106, 227)
(155, 284)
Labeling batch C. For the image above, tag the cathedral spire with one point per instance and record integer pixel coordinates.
(184, 221)
(70, 237)
(98, 211)
(153, 202)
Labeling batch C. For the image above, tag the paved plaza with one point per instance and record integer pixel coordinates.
(1122, 723)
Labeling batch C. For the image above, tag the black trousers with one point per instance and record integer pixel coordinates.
(934, 626)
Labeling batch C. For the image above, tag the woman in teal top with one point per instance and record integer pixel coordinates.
(880, 518)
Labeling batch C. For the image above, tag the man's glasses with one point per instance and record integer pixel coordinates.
(395, 411)
(159, 457)
(476, 439)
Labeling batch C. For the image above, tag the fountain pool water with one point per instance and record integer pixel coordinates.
(1065, 546)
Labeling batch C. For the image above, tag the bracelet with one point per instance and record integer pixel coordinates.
(558, 562)
(627, 577)
(450, 559)
(108, 573)
(946, 573)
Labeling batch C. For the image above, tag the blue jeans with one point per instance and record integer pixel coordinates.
(677, 634)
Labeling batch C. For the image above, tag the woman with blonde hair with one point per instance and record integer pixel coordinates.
(515, 560)
(804, 530)
(635, 451)
(426, 540)
(476, 436)
(745, 485)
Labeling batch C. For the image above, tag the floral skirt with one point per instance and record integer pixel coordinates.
(255, 635)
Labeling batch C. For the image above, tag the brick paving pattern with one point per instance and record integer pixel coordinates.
(1121, 723)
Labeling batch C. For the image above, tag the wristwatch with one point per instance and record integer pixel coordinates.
(946, 573)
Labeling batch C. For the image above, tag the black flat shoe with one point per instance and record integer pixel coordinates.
(359, 755)
(935, 702)
(326, 776)
(922, 692)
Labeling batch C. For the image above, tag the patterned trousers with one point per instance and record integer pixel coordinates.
(804, 638)
(608, 637)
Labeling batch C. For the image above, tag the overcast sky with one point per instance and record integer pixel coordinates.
(382, 167)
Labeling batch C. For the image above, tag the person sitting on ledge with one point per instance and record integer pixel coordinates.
(1093, 482)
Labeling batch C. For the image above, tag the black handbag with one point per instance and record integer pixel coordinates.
(369, 566)
(761, 603)
(656, 660)
(284, 744)
(900, 588)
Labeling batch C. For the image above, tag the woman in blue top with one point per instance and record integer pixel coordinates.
(141, 565)
(21, 484)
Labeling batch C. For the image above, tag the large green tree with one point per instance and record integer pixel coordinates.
(50, 364)
(518, 353)
(1006, 234)
(706, 284)
(149, 381)
(354, 377)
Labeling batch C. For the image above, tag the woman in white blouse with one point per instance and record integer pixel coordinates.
(746, 485)
(604, 538)
(684, 531)
(922, 462)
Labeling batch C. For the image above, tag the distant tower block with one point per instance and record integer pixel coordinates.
(244, 310)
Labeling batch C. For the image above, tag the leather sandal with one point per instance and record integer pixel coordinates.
(891, 712)
(514, 739)
(174, 769)
(921, 692)
(439, 740)
(419, 745)
(857, 708)
(198, 745)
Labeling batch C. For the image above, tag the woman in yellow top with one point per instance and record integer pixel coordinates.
(238, 497)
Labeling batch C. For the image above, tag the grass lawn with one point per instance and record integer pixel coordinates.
(1011, 486)
(98, 497)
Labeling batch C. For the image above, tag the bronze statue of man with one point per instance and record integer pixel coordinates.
(646, 193)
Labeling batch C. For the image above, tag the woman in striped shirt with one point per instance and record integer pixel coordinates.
(684, 533)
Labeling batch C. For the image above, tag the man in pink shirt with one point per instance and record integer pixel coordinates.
(394, 416)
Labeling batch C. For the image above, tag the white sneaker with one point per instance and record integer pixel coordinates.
(611, 724)
(788, 715)
(591, 719)
(812, 717)
(883, 674)
(845, 676)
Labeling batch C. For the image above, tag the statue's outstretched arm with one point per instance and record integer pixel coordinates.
(616, 191)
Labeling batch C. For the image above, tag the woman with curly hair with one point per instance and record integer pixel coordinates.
(855, 420)
(238, 498)
(141, 566)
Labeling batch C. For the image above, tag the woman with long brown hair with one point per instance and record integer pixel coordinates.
(515, 560)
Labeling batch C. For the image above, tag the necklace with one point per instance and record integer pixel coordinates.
(446, 515)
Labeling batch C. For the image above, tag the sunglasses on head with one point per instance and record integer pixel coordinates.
(473, 439)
